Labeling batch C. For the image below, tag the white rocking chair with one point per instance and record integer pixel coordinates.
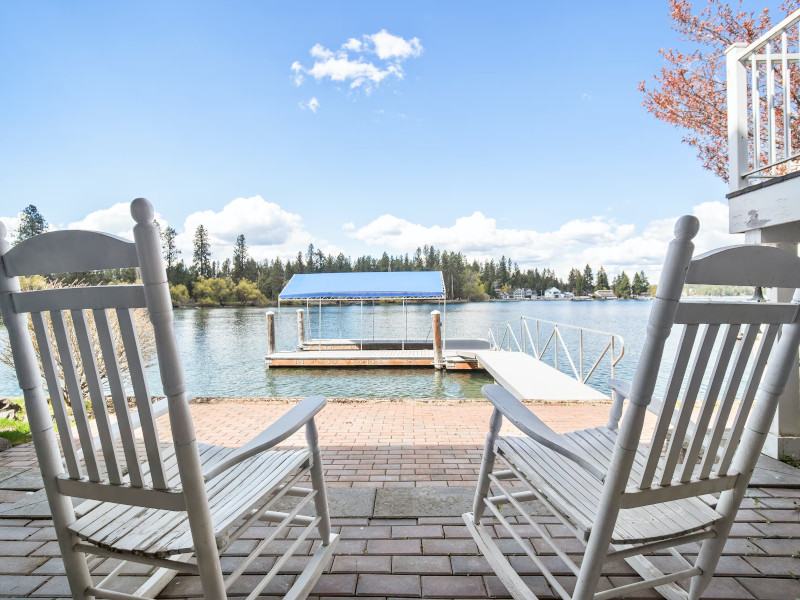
(177, 506)
(623, 499)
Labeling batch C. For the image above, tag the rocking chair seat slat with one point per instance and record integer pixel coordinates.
(231, 496)
(576, 492)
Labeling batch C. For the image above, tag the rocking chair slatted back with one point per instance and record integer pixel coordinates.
(719, 362)
(82, 321)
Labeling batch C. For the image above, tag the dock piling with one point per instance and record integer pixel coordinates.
(301, 327)
(270, 332)
(436, 326)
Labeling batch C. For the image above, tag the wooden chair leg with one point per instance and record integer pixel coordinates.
(487, 464)
(318, 483)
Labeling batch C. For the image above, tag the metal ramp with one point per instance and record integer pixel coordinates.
(530, 379)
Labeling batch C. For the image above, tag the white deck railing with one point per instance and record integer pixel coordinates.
(539, 335)
(763, 83)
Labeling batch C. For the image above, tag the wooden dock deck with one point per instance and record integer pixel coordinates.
(454, 359)
(530, 379)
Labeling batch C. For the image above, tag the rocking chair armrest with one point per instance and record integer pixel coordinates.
(300, 414)
(622, 390)
(531, 425)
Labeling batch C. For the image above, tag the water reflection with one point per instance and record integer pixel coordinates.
(223, 349)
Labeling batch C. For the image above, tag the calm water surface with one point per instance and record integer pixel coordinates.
(223, 349)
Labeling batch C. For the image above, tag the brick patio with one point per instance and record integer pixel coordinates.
(403, 444)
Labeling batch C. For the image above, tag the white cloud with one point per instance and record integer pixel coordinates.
(386, 45)
(349, 226)
(269, 230)
(311, 105)
(585, 96)
(352, 63)
(116, 219)
(353, 45)
(596, 240)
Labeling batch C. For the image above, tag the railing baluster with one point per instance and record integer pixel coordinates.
(756, 93)
(787, 109)
(770, 105)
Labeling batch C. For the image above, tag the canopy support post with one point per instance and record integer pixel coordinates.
(362, 325)
(405, 334)
(340, 319)
(319, 327)
(373, 320)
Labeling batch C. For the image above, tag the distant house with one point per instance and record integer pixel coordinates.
(553, 293)
(567, 295)
(504, 296)
(519, 294)
(604, 295)
(529, 294)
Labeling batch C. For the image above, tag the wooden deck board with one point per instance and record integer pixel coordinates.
(530, 379)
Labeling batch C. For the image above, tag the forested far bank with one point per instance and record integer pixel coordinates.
(242, 280)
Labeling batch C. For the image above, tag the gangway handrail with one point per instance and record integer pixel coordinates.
(614, 348)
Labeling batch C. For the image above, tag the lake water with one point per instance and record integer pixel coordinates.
(223, 349)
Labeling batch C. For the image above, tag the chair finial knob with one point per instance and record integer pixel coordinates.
(142, 211)
(3, 231)
(687, 227)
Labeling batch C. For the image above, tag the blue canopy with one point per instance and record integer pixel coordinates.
(358, 286)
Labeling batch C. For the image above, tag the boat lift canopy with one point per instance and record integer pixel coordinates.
(396, 285)
(374, 285)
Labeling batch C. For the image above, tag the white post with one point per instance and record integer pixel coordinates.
(783, 438)
(436, 325)
(737, 117)
(301, 327)
(270, 332)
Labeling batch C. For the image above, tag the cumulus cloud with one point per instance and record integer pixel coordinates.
(361, 63)
(596, 240)
(349, 226)
(269, 230)
(311, 105)
(116, 219)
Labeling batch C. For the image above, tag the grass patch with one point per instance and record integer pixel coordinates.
(792, 462)
(16, 432)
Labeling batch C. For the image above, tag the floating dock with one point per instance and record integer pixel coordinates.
(459, 354)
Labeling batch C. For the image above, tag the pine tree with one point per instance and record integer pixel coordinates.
(202, 252)
(636, 287)
(169, 249)
(602, 280)
(239, 258)
(622, 287)
(588, 280)
(31, 223)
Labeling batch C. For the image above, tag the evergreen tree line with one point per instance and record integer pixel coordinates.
(243, 280)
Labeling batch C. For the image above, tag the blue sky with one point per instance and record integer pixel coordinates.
(511, 128)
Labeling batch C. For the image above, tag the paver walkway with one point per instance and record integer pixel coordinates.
(411, 444)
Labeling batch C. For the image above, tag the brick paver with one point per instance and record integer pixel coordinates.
(398, 444)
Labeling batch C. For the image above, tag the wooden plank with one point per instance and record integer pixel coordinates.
(709, 403)
(688, 403)
(754, 380)
(69, 250)
(118, 396)
(96, 395)
(530, 379)
(728, 398)
(676, 376)
(77, 298)
(56, 395)
(69, 369)
(735, 312)
(144, 404)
